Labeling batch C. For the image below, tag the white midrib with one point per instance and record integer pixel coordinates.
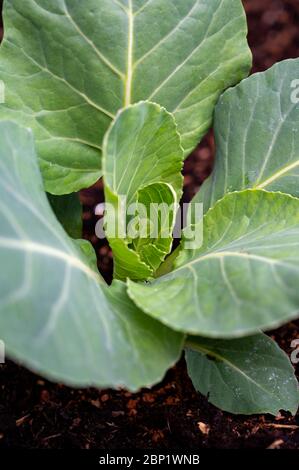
(277, 175)
(128, 85)
(222, 254)
(33, 247)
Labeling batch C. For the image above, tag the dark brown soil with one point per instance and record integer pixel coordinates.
(35, 413)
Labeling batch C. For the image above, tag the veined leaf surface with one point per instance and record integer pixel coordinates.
(142, 161)
(245, 276)
(244, 376)
(157, 200)
(256, 132)
(69, 66)
(57, 315)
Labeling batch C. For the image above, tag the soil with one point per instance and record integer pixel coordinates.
(35, 413)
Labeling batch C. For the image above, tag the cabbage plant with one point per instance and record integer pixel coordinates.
(124, 90)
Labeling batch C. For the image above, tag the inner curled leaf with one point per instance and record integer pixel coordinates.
(142, 162)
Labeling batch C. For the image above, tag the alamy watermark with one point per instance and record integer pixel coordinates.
(151, 221)
(295, 353)
(295, 92)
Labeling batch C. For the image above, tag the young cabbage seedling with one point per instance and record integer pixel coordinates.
(125, 89)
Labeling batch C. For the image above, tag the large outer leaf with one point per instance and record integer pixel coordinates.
(142, 157)
(69, 65)
(256, 131)
(248, 375)
(56, 313)
(245, 276)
